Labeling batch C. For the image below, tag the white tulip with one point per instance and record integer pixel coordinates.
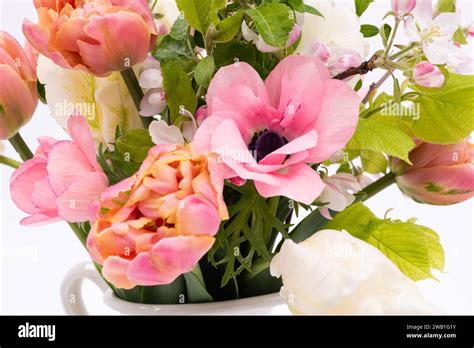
(104, 102)
(335, 273)
(340, 27)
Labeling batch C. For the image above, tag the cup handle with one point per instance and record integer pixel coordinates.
(71, 287)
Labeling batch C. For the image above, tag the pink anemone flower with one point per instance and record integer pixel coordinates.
(271, 132)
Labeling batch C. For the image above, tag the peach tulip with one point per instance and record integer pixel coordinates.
(157, 224)
(99, 36)
(440, 174)
(18, 98)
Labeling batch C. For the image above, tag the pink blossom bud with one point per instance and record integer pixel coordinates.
(403, 6)
(428, 75)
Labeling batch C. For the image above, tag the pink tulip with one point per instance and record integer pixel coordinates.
(270, 132)
(18, 98)
(440, 174)
(62, 180)
(403, 7)
(428, 75)
(157, 224)
(99, 36)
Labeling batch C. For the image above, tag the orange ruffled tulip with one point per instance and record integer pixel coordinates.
(18, 98)
(157, 224)
(440, 175)
(99, 36)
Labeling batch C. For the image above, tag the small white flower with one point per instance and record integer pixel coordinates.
(151, 80)
(435, 34)
(161, 133)
(335, 273)
(340, 26)
(336, 193)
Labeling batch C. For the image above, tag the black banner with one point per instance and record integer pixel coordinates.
(161, 331)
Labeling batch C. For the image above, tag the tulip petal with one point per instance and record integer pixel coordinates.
(73, 204)
(120, 48)
(115, 271)
(197, 216)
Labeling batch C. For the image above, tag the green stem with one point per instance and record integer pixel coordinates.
(392, 37)
(135, 92)
(20, 147)
(79, 233)
(378, 186)
(404, 51)
(9, 162)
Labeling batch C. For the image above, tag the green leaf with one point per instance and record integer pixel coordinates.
(136, 143)
(41, 93)
(171, 49)
(381, 137)
(459, 37)
(373, 162)
(228, 28)
(274, 22)
(200, 14)
(195, 287)
(446, 6)
(369, 30)
(161, 294)
(414, 249)
(308, 226)
(233, 51)
(313, 11)
(204, 71)
(362, 5)
(446, 114)
(179, 90)
(179, 30)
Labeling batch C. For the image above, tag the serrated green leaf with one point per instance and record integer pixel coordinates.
(171, 49)
(274, 22)
(362, 5)
(446, 114)
(178, 88)
(179, 30)
(200, 14)
(228, 28)
(373, 162)
(313, 11)
(369, 30)
(446, 6)
(381, 137)
(414, 249)
(136, 143)
(204, 71)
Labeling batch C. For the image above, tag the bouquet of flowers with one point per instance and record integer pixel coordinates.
(221, 149)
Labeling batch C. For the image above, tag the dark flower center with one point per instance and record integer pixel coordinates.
(266, 142)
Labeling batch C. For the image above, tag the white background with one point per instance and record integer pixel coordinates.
(34, 260)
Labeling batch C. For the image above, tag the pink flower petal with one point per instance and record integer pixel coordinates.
(300, 183)
(73, 204)
(337, 121)
(115, 271)
(197, 216)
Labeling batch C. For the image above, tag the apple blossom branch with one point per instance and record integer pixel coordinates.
(362, 69)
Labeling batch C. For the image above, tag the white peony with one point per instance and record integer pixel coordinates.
(340, 27)
(335, 273)
(104, 102)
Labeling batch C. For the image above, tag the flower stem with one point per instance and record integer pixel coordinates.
(392, 37)
(378, 186)
(135, 92)
(20, 147)
(79, 233)
(10, 162)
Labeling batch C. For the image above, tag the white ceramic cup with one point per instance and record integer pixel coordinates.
(73, 303)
